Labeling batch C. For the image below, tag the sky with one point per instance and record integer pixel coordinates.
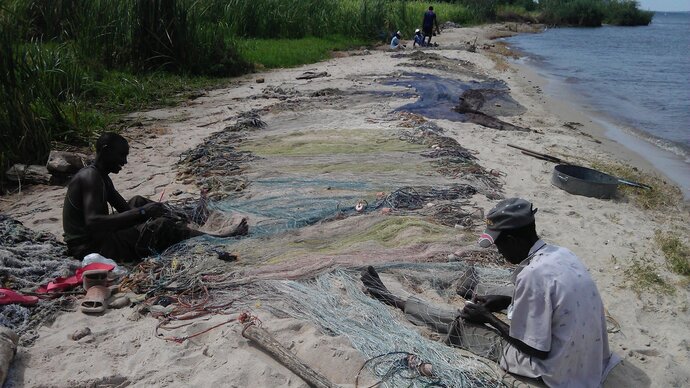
(665, 5)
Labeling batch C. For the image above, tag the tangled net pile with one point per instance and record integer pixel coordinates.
(216, 165)
(450, 158)
(29, 259)
(335, 302)
(413, 198)
(178, 291)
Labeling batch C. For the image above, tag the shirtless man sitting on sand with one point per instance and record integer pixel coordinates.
(139, 226)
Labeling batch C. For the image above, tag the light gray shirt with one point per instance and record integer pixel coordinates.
(557, 308)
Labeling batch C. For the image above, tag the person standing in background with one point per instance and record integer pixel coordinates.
(428, 24)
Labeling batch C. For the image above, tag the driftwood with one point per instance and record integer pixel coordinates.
(8, 347)
(539, 155)
(265, 341)
(312, 74)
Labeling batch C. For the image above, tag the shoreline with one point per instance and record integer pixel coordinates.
(623, 146)
(634, 145)
(608, 235)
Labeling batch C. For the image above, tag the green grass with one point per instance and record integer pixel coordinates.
(677, 253)
(274, 53)
(71, 66)
(643, 277)
(662, 195)
(121, 92)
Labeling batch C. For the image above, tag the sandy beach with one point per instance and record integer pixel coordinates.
(356, 104)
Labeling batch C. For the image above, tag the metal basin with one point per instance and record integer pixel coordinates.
(584, 181)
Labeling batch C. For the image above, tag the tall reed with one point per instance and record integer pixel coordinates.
(57, 57)
(30, 114)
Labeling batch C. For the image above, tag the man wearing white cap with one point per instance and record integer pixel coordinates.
(557, 329)
(418, 38)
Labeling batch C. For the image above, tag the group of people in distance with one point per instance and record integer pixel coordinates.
(422, 38)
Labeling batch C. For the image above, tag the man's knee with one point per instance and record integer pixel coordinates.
(163, 232)
(138, 201)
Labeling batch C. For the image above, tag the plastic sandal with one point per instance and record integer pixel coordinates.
(62, 284)
(94, 277)
(96, 300)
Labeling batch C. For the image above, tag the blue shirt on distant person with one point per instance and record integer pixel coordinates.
(395, 42)
(418, 39)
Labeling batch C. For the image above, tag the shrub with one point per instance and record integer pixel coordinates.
(515, 13)
(30, 114)
(626, 13)
(585, 13)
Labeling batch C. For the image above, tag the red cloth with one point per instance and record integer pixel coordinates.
(8, 296)
(61, 284)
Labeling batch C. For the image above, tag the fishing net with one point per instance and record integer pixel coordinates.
(184, 285)
(216, 165)
(421, 59)
(333, 174)
(336, 303)
(29, 259)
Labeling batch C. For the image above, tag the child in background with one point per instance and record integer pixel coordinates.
(418, 38)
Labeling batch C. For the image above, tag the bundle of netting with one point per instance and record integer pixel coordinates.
(336, 303)
(418, 197)
(216, 165)
(453, 160)
(29, 259)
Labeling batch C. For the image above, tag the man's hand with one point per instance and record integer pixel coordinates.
(493, 303)
(475, 313)
(153, 209)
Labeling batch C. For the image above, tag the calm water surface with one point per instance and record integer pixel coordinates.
(636, 79)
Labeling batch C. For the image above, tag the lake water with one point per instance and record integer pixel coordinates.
(635, 79)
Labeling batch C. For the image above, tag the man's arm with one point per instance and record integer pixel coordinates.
(91, 186)
(115, 199)
(479, 314)
(493, 303)
(504, 330)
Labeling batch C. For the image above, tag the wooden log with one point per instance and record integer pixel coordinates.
(265, 341)
(8, 347)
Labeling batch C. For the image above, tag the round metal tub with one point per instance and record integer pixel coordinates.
(584, 181)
